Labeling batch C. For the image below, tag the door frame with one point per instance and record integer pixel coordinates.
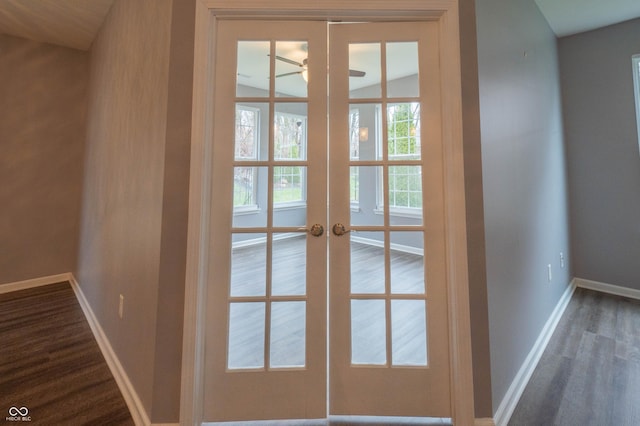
(208, 12)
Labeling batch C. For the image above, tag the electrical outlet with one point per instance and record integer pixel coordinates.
(549, 271)
(561, 259)
(121, 307)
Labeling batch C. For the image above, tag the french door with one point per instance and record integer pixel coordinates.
(328, 291)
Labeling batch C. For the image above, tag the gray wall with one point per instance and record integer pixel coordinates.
(524, 172)
(602, 145)
(134, 210)
(43, 99)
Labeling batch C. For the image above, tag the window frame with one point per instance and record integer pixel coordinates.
(253, 207)
(354, 171)
(635, 62)
(282, 205)
(399, 211)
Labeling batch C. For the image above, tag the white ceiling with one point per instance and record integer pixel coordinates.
(567, 17)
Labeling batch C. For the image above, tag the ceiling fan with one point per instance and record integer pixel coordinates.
(303, 70)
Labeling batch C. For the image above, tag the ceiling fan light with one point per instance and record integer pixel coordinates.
(305, 75)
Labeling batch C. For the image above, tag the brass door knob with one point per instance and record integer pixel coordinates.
(316, 230)
(339, 229)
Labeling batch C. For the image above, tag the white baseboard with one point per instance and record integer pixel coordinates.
(36, 282)
(136, 408)
(511, 398)
(392, 246)
(608, 288)
(263, 240)
(488, 421)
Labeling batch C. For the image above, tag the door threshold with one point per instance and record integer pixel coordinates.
(387, 421)
(344, 421)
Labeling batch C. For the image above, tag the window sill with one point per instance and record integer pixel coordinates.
(400, 212)
(246, 210)
(290, 205)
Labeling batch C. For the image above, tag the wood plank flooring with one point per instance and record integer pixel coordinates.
(247, 320)
(589, 373)
(51, 363)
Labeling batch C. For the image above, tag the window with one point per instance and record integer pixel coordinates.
(246, 148)
(403, 124)
(354, 154)
(636, 84)
(290, 143)
(403, 143)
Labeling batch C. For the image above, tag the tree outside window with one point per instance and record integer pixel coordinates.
(354, 154)
(290, 143)
(246, 148)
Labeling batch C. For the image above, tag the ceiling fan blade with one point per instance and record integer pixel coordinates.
(289, 61)
(356, 73)
(288, 73)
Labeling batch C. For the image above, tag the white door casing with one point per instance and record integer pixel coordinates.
(444, 13)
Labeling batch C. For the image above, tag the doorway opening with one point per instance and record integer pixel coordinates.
(326, 289)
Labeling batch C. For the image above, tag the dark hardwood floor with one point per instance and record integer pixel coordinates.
(589, 373)
(51, 364)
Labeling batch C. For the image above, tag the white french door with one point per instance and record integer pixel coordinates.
(327, 292)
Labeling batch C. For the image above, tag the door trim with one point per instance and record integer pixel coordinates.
(207, 14)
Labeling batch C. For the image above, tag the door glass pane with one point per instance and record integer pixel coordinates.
(366, 195)
(288, 334)
(402, 69)
(251, 131)
(290, 196)
(248, 265)
(365, 141)
(249, 193)
(368, 332)
(408, 332)
(365, 76)
(407, 263)
(289, 265)
(405, 195)
(291, 68)
(246, 335)
(367, 263)
(290, 131)
(253, 69)
(403, 131)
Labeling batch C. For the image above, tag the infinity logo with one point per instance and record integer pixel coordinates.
(15, 411)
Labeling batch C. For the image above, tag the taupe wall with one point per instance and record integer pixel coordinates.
(524, 174)
(173, 254)
(602, 145)
(133, 225)
(43, 95)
